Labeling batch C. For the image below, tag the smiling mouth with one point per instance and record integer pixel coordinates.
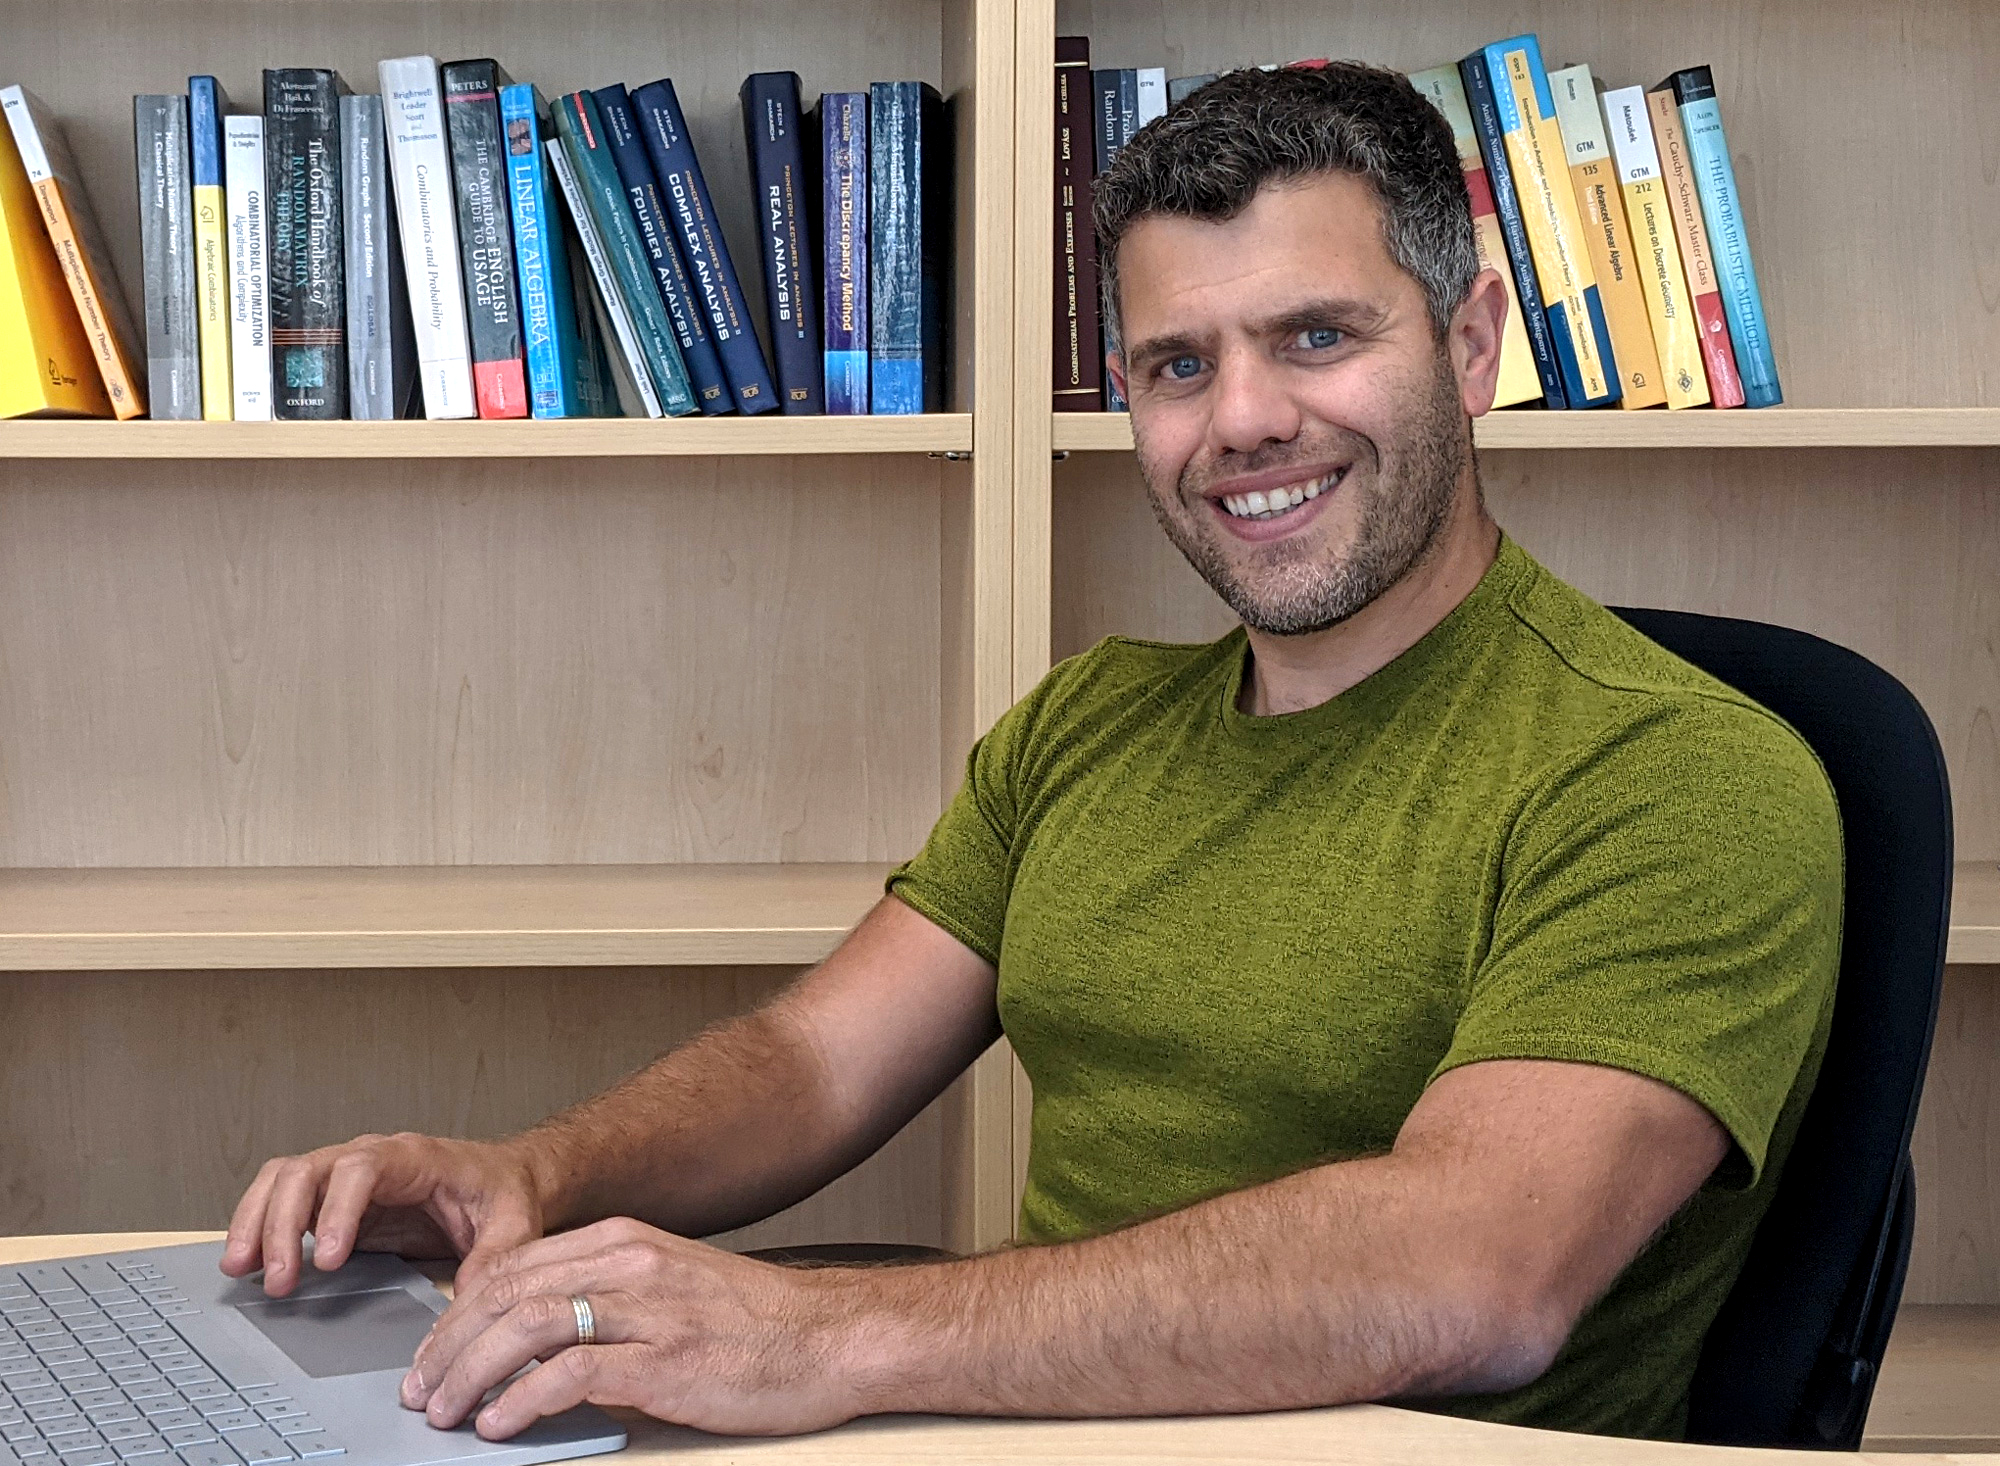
(1261, 504)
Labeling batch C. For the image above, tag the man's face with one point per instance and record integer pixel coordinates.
(1300, 428)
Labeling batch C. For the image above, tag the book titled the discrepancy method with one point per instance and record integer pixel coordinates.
(427, 218)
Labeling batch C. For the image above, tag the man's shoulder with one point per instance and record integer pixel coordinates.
(1122, 673)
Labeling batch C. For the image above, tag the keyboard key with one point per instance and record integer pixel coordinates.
(315, 1447)
(89, 1400)
(98, 1333)
(171, 1349)
(264, 1395)
(131, 1308)
(192, 1435)
(260, 1447)
(211, 1406)
(139, 1447)
(95, 1456)
(169, 1419)
(36, 1450)
(228, 1420)
(80, 1440)
(157, 1333)
(59, 1425)
(10, 1415)
(78, 1373)
(212, 1454)
(141, 1383)
(123, 1430)
(114, 1353)
(207, 1389)
(21, 1432)
(42, 1415)
(77, 1307)
(177, 1310)
(121, 1410)
(44, 1328)
(14, 1348)
(293, 1425)
(193, 1373)
(281, 1410)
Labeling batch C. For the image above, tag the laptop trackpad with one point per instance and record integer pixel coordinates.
(344, 1333)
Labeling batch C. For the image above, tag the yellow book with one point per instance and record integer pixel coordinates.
(79, 247)
(1444, 90)
(45, 361)
(207, 104)
(1648, 212)
(1602, 205)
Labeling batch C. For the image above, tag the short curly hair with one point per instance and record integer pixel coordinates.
(1207, 158)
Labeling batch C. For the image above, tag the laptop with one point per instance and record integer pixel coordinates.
(154, 1358)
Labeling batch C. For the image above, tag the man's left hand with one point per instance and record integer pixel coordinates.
(684, 1332)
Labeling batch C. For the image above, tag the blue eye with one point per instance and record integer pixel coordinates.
(1319, 338)
(1184, 366)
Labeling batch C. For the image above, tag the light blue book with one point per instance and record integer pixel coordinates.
(1728, 239)
(548, 300)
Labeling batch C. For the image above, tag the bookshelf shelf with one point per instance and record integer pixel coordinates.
(1975, 913)
(430, 916)
(946, 432)
(1936, 1390)
(1776, 427)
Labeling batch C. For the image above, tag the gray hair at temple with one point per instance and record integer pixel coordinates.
(1207, 158)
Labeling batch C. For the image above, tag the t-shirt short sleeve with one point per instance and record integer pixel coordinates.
(1670, 904)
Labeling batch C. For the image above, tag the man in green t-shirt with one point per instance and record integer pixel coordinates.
(1421, 985)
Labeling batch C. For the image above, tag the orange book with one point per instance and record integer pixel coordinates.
(1718, 358)
(79, 247)
(45, 362)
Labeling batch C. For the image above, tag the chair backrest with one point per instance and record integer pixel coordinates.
(1791, 1358)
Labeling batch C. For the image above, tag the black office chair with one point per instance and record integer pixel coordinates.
(1792, 1357)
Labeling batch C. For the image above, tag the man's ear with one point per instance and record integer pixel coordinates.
(1473, 341)
(1114, 363)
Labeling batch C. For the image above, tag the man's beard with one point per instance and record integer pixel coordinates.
(1400, 520)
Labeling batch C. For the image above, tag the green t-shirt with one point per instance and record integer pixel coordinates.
(1232, 947)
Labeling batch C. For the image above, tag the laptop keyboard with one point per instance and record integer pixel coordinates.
(95, 1372)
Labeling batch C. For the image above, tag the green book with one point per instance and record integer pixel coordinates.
(581, 131)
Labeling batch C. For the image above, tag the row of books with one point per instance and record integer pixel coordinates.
(1630, 283)
(403, 254)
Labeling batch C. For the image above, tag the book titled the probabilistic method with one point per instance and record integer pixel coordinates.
(249, 318)
(774, 135)
(166, 256)
(485, 235)
(381, 344)
(427, 221)
(308, 301)
(843, 126)
(909, 183)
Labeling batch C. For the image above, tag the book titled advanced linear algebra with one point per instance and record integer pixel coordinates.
(80, 248)
(46, 364)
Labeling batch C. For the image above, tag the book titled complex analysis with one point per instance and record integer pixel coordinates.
(1533, 137)
(843, 127)
(663, 128)
(774, 135)
(308, 301)
(657, 234)
(208, 104)
(909, 185)
(46, 366)
(1602, 206)
(1725, 386)
(627, 356)
(1442, 88)
(166, 254)
(485, 235)
(1676, 338)
(548, 300)
(1729, 240)
(427, 220)
(249, 318)
(381, 342)
(80, 249)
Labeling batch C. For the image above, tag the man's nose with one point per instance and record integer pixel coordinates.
(1250, 404)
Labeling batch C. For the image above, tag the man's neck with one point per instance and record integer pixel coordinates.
(1288, 674)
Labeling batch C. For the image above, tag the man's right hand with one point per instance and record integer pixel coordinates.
(410, 1194)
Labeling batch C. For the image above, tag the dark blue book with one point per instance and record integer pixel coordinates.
(774, 135)
(909, 196)
(649, 212)
(843, 126)
(664, 131)
(1493, 148)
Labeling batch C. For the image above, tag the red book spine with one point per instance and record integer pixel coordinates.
(1078, 367)
(502, 388)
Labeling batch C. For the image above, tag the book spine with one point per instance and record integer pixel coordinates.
(1555, 233)
(79, 247)
(593, 358)
(1180, 88)
(844, 134)
(1152, 91)
(1728, 237)
(49, 366)
(631, 352)
(485, 236)
(166, 241)
(1441, 86)
(427, 221)
(249, 322)
(207, 106)
(902, 224)
(1601, 205)
(656, 234)
(548, 301)
(774, 136)
(1725, 385)
(1484, 108)
(308, 305)
(1629, 126)
(664, 131)
(369, 367)
(1078, 368)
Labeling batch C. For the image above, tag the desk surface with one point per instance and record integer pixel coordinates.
(1356, 1435)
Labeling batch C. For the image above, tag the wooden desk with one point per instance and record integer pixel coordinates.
(1355, 1435)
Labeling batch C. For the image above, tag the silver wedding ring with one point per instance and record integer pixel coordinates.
(586, 1321)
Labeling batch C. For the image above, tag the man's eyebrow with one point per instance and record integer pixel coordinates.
(1159, 348)
(1344, 312)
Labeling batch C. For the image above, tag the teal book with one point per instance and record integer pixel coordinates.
(581, 131)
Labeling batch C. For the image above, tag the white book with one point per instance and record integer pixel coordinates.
(607, 284)
(427, 218)
(249, 281)
(1152, 93)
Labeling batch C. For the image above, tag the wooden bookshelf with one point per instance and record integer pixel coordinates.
(1937, 1390)
(430, 916)
(1778, 427)
(945, 432)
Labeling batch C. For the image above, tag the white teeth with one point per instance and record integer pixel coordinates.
(1261, 505)
(1256, 501)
